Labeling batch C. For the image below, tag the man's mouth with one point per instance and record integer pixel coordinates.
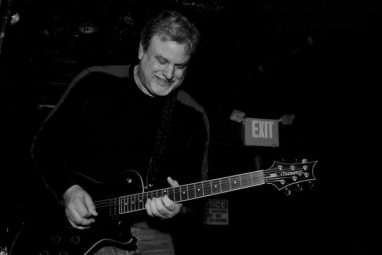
(164, 82)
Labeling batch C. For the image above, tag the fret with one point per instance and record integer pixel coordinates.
(141, 202)
(235, 182)
(137, 202)
(199, 189)
(125, 204)
(246, 180)
(121, 206)
(128, 204)
(207, 188)
(129, 209)
(145, 197)
(177, 193)
(114, 206)
(258, 178)
(216, 187)
(165, 192)
(133, 203)
(225, 184)
(191, 191)
(183, 190)
(170, 194)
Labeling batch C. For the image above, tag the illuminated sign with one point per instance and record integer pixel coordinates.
(261, 132)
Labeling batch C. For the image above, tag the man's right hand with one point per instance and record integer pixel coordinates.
(79, 207)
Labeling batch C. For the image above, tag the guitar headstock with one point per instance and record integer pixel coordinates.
(282, 175)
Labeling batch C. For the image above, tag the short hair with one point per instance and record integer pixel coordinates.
(172, 26)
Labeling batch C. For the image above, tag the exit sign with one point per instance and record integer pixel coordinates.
(261, 132)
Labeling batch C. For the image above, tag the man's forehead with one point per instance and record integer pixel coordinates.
(168, 49)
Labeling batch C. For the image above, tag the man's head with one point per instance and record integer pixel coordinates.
(167, 43)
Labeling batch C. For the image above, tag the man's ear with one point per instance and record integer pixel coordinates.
(140, 51)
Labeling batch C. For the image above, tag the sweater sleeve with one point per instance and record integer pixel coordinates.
(54, 140)
(201, 141)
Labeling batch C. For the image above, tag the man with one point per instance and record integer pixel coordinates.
(117, 118)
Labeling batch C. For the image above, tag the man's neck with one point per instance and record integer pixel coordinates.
(139, 83)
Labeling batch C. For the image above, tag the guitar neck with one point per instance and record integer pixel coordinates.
(192, 191)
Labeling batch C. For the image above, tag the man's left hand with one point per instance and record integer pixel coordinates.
(164, 207)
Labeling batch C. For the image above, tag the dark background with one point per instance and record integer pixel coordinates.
(317, 59)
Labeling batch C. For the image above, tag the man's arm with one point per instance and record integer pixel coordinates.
(56, 137)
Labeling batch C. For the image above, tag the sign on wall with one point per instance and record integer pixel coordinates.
(261, 132)
(216, 212)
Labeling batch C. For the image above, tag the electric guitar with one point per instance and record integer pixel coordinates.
(111, 228)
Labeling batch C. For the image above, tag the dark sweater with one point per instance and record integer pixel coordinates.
(104, 125)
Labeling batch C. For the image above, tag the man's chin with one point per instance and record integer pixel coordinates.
(161, 90)
(162, 93)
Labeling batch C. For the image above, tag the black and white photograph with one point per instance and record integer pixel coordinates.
(163, 127)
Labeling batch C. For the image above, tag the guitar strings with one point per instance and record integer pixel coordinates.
(226, 181)
(134, 199)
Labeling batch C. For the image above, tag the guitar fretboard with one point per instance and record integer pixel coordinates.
(136, 202)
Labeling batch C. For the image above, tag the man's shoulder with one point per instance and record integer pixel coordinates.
(95, 77)
(98, 73)
(120, 71)
(186, 99)
(196, 109)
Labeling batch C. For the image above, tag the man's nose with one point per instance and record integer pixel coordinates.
(169, 72)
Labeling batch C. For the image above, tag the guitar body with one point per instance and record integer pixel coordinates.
(56, 236)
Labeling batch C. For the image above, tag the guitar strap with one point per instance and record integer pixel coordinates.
(161, 140)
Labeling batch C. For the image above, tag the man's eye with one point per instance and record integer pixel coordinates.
(162, 61)
(181, 67)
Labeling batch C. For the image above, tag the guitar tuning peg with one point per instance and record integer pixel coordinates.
(311, 185)
(287, 192)
(299, 187)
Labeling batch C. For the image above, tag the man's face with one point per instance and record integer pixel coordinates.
(163, 66)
